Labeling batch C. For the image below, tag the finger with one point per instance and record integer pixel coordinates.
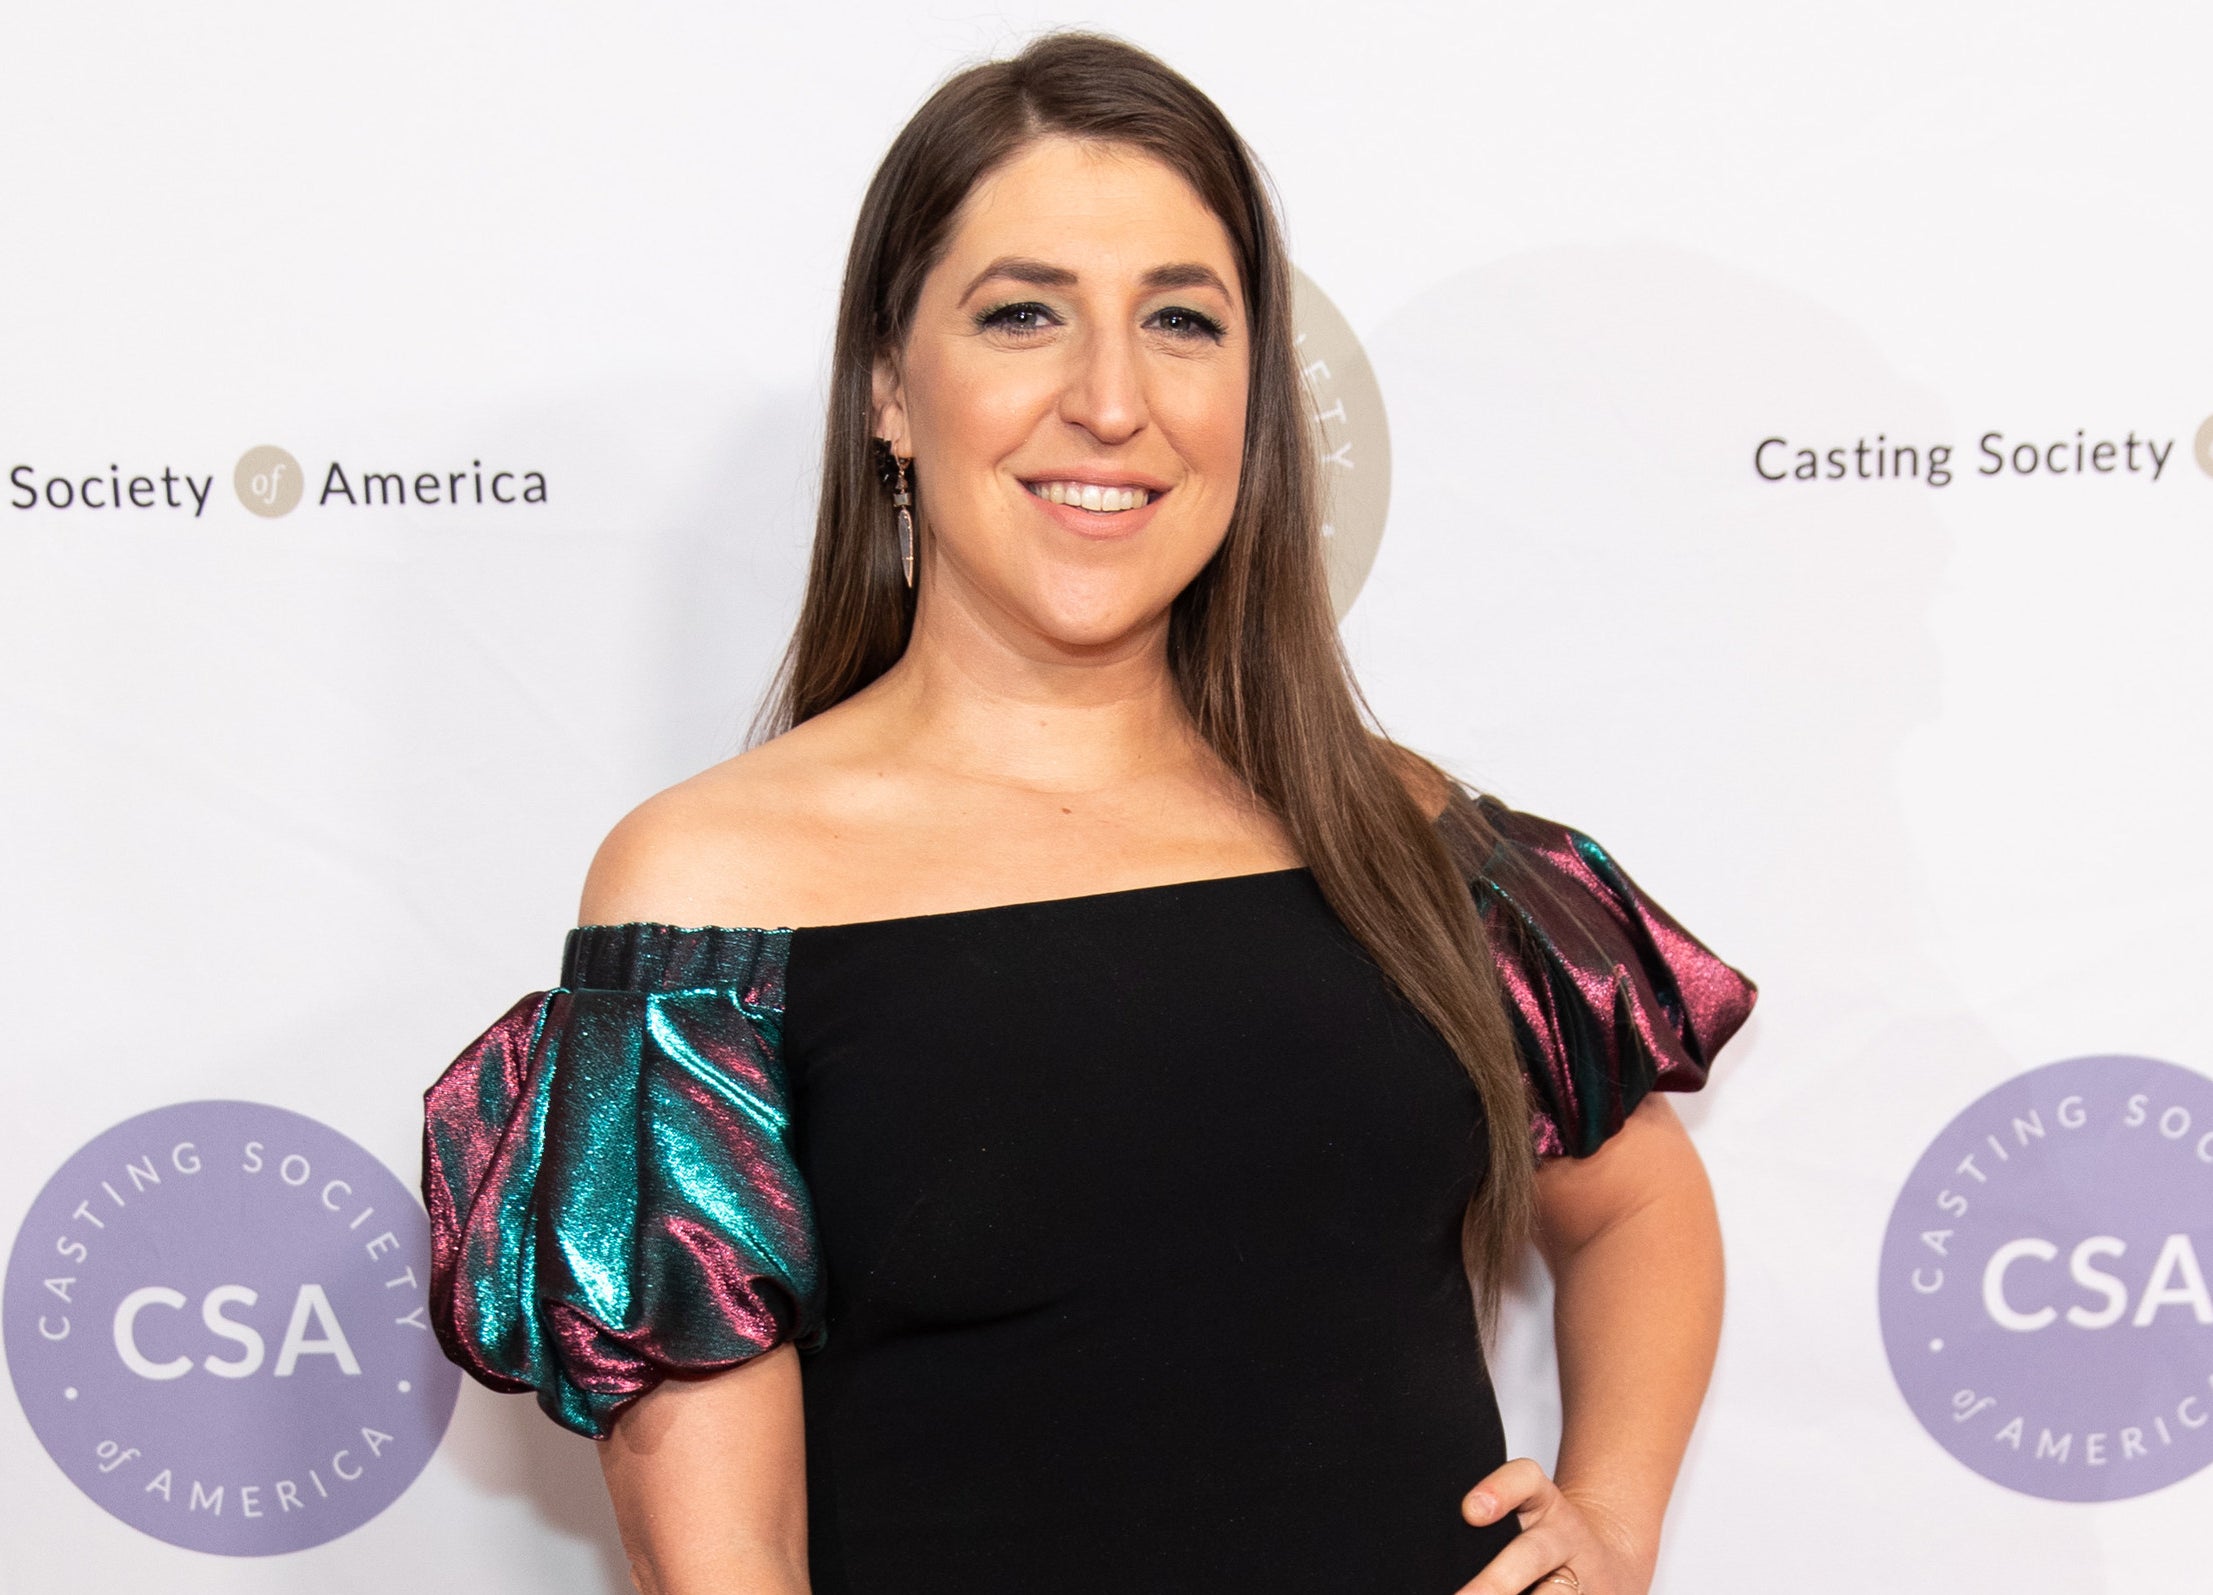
(1525, 1560)
(1520, 1486)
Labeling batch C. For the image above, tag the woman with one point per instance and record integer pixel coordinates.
(1159, 1058)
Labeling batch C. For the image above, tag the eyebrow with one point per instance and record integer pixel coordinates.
(1044, 274)
(1188, 274)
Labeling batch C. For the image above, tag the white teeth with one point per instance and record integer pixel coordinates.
(1091, 496)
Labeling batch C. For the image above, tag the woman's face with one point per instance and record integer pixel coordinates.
(1073, 394)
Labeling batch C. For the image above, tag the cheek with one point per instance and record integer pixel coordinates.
(1206, 418)
(972, 407)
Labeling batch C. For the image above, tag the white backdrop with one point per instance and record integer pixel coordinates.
(294, 806)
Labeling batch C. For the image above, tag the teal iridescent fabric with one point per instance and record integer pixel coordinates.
(612, 1197)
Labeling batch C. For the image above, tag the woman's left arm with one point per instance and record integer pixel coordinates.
(1634, 1247)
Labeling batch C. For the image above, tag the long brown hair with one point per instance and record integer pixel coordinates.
(1252, 643)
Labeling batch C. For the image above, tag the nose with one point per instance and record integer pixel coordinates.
(1105, 390)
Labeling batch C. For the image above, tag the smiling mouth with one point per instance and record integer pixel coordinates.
(1091, 496)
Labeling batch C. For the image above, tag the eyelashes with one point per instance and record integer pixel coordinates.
(1197, 323)
(1025, 319)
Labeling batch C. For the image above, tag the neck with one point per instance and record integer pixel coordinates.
(986, 699)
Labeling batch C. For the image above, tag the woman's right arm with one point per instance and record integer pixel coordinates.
(707, 1476)
(709, 1482)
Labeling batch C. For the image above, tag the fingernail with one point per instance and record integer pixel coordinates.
(1481, 1506)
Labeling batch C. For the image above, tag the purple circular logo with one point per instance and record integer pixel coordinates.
(2043, 1290)
(215, 1320)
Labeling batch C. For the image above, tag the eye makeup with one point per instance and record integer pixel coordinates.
(1023, 317)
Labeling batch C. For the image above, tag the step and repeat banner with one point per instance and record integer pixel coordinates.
(1778, 442)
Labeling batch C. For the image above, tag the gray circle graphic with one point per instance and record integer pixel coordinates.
(268, 481)
(2202, 445)
(216, 1317)
(1352, 440)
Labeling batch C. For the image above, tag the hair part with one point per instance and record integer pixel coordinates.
(1253, 645)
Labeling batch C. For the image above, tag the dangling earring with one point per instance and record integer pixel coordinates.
(903, 502)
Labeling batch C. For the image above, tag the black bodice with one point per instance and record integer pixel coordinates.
(1119, 1233)
(1140, 1218)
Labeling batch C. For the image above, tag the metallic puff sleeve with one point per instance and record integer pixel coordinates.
(612, 1199)
(1609, 997)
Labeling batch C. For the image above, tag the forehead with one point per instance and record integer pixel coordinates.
(1103, 209)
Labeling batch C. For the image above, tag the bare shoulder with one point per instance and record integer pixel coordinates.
(718, 849)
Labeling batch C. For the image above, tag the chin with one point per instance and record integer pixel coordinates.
(1091, 633)
(1095, 620)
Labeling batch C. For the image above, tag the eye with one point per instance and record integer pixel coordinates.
(1180, 321)
(1023, 318)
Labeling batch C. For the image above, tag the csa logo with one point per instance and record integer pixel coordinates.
(2043, 1292)
(1352, 438)
(216, 1322)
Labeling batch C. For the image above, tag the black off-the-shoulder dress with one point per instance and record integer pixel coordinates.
(1120, 1232)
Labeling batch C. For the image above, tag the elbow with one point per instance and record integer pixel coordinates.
(762, 1571)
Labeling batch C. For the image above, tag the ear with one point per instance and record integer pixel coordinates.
(888, 400)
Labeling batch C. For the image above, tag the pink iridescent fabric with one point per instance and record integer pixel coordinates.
(1609, 996)
(612, 1198)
